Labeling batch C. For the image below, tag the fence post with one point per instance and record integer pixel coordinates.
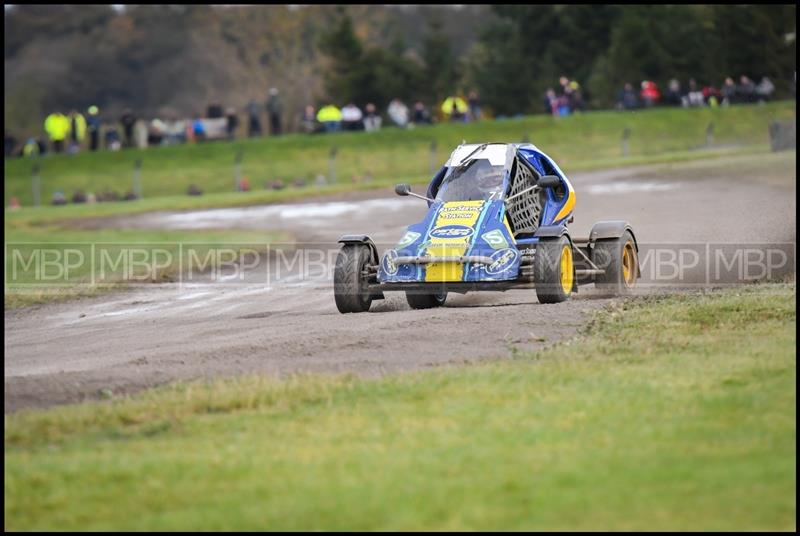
(526, 138)
(137, 178)
(710, 134)
(432, 158)
(36, 184)
(626, 137)
(237, 171)
(332, 163)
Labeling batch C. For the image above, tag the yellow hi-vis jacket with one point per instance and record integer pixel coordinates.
(57, 126)
(329, 113)
(80, 126)
(447, 105)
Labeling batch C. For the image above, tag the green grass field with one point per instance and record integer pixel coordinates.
(583, 141)
(668, 413)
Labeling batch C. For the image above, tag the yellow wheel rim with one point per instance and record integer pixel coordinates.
(566, 269)
(628, 265)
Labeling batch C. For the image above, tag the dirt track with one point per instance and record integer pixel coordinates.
(150, 335)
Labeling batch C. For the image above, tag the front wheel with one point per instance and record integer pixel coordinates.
(620, 264)
(349, 283)
(425, 301)
(553, 270)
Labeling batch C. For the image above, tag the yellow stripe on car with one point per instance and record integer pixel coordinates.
(458, 213)
(568, 206)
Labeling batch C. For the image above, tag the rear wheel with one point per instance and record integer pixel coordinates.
(425, 301)
(620, 262)
(349, 285)
(553, 270)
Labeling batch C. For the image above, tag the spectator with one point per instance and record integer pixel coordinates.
(711, 96)
(77, 131)
(57, 127)
(746, 90)
(576, 102)
(563, 81)
(550, 102)
(93, 124)
(454, 108)
(128, 120)
(274, 110)
(198, 129)
(232, 124)
(330, 117)
(673, 95)
(563, 106)
(421, 116)
(650, 94)
(627, 99)
(728, 92)
(309, 120)
(398, 113)
(253, 122)
(31, 148)
(694, 97)
(351, 117)
(112, 139)
(174, 130)
(474, 107)
(765, 89)
(157, 132)
(9, 145)
(372, 121)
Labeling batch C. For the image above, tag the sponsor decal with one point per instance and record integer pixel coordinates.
(503, 260)
(389, 264)
(452, 231)
(495, 239)
(409, 238)
(457, 215)
(460, 208)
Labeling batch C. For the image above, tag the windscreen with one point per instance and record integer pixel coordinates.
(475, 180)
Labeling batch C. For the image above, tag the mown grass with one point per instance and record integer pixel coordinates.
(670, 413)
(391, 155)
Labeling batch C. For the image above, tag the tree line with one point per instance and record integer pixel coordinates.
(523, 50)
(166, 59)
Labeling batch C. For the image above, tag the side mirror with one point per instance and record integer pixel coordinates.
(549, 181)
(402, 189)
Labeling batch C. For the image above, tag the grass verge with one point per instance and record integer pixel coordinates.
(578, 142)
(672, 413)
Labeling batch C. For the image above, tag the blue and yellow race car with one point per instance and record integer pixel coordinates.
(497, 220)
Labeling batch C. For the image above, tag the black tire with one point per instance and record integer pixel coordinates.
(619, 259)
(348, 284)
(425, 301)
(547, 270)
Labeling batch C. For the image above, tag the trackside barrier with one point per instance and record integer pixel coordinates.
(783, 135)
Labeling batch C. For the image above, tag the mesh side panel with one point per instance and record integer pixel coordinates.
(524, 211)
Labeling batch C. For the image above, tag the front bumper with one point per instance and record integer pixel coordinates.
(429, 259)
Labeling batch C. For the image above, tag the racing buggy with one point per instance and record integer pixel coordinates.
(497, 220)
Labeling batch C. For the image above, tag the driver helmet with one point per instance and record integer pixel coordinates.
(489, 179)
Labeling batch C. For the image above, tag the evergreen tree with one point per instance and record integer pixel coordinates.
(343, 79)
(441, 74)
